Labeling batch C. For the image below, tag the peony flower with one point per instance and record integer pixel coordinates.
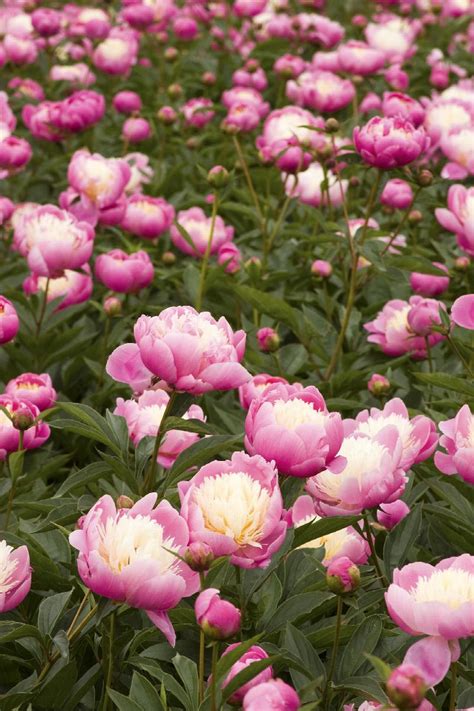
(370, 474)
(320, 91)
(33, 436)
(9, 321)
(74, 287)
(143, 417)
(15, 153)
(406, 686)
(78, 112)
(395, 103)
(218, 619)
(458, 217)
(253, 654)
(345, 543)
(136, 129)
(125, 365)
(430, 284)
(388, 143)
(141, 172)
(257, 386)
(192, 351)
(53, 240)
(198, 112)
(418, 435)
(129, 556)
(15, 576)
(456, 146)
(342, 576)
(116, 54)
(127, 102)
(434, 599)
(397, 193)
(146, 216)
(272, 695)
(307, 187)
(37, 389)
(462, 311)
(458, 441)
(389, 515)
(46, 21)
(125, 273)
(198, 227)
(77, 74)
(236, 507)
(359, 58)
(290, 127)
(246, 96)
(229, 257)
(292, 427)
(100, 180)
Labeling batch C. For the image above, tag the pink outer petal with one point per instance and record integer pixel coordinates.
(163, 622)
(99, 578)
(146, 588)
(432, 656)
(462, 311)
(225, 376)
(158, 358)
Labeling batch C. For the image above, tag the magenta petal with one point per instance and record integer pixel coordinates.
(163, 622)
(432, 655)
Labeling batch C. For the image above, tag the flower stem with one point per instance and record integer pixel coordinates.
(149, 481)
(44, 303)
(453, 692)
(268, 243)
(248, 178)
(207, 254)
(11, 495)
(373, 554)
(202, 645)
(110, 661)
(332, 665)
(215, 657)
(401, 224)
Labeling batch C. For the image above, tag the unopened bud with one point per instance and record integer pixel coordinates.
(22, 418)
(331, 125)
(342, 576)
(193, 142)
(462, 263)
(124, 502)
(218, 176)
(414, 217)
(321, 268)
(268, 340)
(171, 54)
(175, 90)
(406, 687)
(425, 178)
(208, 78)
(378, 385)
(168, 258)
(199, 556)
(167, 115)
(112, 306)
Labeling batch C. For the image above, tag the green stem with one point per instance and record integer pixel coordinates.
(202, 646)
(207, 254)
(459, 355)
(110, 661)
(268, 243)
(401, 224)
(103, 358)
(78, 612)
(43, 308)
(373, 554)
(149, 481)
(248, 178)
(453, 692)
(11, 495)
(332, 665)
(215, 657)
(428, 353)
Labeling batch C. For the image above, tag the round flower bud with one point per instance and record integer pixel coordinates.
(168, 258)
(199, 556)
(175, 90)
(218, 176)
(462, 263)
(342, 576)
(268, 340)
(425, 178)
(331, 125)
(124, 502)
(218, 619)
(208, 78)
(167, 115)
(321, 268)
(22, 418)
(171, 54)
(378, 385)
(414, 217)
(112, 306)
(406, 687)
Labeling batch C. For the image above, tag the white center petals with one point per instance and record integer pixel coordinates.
(50, 227)
(293, 413)
(7, 568)
(450, 587)
(374, 425)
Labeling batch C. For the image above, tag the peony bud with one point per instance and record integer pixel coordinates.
(208, 78)
(124, 502)
(425, 178)
(218, 619)
(406, 687)
(199, 556)
(167, 115)
(175, 90)
(342, 576)
(268, 340)
(171, 54)
(112, 306)
(462, 263)
(332, 125)
(321, 268)
(168, 258)
(22, 418)
(218, 176)
(414, 217)
(378, 384)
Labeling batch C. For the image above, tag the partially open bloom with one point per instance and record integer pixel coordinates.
(397, 193)
(219, 619)
(292, 427)
(388, 515)
(77, 74)
(100, 180)
(33, 437)
(116, 54)
(272, 695)
(378, 384)
(458, 217)
(462, 312)
(456, 146)
(397, 104)
(430, 284)
(15, 153)
(307, 186)
(46, 21)
(389, 142)
(37, 389)
(229, 256)
(458, 440)
(9, 321)
(423, 316)
(143, 417)
(359, 58)
(198, 227)
(129, 556)
(287, 128)
(434, 599)
(320, 90)
(15, 576)
(342, 576)
(321, 268)
(198, 112)
(256, 386)
(418, 435)
(136, 129)
(236, 507)
(124, 272)
(254, 654)
(406, 686)
(74, 287)
(125, 365)
(146, 216)
(366, 473)
(192, 351)
(127, 102)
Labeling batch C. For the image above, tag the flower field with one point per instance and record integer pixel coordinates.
(237, 355)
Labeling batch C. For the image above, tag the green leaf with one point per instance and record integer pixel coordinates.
(226, 661)
(188, 673)
(364, 638)
(411, 263)
(123, 703)
(11, 631)
(246, 675)
(448, 382)
(202, 452)
(91, 473)
(144, 693)
(381, 667)
(15, 464)
(177, 423)
(82, 686)
(466, 699)
(295, 607)
(366, 685)
(315, 529)
(298, 644)
(50, 611)
(400, 541)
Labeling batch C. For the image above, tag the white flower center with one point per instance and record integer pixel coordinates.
(293, 413)
(113, 48)
(211, 337)
(398, 319)
(7, 566)
(50, 227)
(449, 587)
(332, 542)
(374, 424)
(125, 539)
(235, 505)
(362, 455)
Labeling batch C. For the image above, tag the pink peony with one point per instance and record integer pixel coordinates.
(397, 104)
(73, 287)
(100, 180)
(127, 102)
(389, 515)
(116, 54)
(458, 217)
(15, 153)
(124, 273)
(388, 143)
(126, 366)
(198, 227)
(359, 58)
(256, 387)
(236, 507)
(136, 129)
(462, 311)
(457, 439)
(198, 112)
(37, 389)
(290, 127)
(9, 321)
(147, 217)
(33, 437)
(397, 193)
(320, 91)
(406, 686)
(129, 556)
(253, 654)
(430, 284)
(292, 427)
(307, 187)
(15, 576)
(219, 619)
(272, 695)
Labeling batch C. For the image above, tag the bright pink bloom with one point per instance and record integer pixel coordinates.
(424, 315)
(20, 50)
(26, 88)
(251, 76)
(74, 286)
(398, 104)
(430, 284)
(136, 130)
(143, 417)
(289, 66)
(292, 427)
(433, 657)
(43, 120)
(7, 208)
(117, 54)
(37, 389)
(378, 384)
(359, 58)
(15, 574)
(53, 240)
(321, 91)
(127, 102)
(128, 556)
(78, 112)
(389, 515)
(286, 128)
(147, 217)
(229, 256)
(219, 619)
(126, 366)
(370, 102)
(307, 186)
(462, 312)
(458, 441)
(326, 61)
(254, 654)
(389, 142)
(417, 435)
(321, 268)
(46, 21)
(268, 339)
(33, 437)
(319, 29)
(138, 16)
(124, 272)
(434, 599)
(241, 117)
(185, 28)
(9, 321)
(15, 153)
(366, 473)
(100, 180)
(244, 95)
(272, 695)
(235, 506)
(397, 193)
(198, 227)
(198, 112)
(459, 216)
(192, 351)
(406, 686)
(256, 387)
(248, 8)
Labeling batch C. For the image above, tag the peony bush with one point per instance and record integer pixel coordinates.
(236, 355)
